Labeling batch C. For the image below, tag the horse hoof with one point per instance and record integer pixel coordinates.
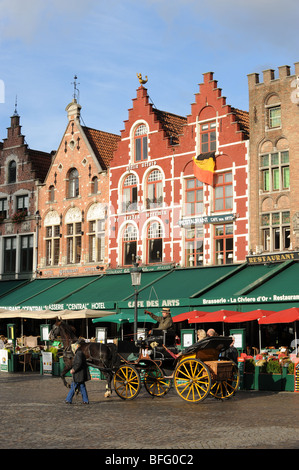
(107, 394)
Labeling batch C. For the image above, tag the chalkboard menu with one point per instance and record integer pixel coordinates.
(296, 373)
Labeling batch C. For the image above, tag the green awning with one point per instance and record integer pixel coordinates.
(41, 293)
(124, 318)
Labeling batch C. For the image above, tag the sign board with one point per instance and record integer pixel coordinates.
(47, 363)
(187, 338)
(95, 374)
(44, 332)
(101, 335)
(274, 258)
(3, 360)
(240, 338)
(296, 377)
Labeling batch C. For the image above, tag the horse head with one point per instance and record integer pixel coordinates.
(55, 331)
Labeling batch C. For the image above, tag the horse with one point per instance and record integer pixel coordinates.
(102, 356)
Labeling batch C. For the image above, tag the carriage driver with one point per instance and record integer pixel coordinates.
(165, 321)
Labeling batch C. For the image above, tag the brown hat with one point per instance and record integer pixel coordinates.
(166, 309)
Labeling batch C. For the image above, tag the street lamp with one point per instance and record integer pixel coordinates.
(136, 281)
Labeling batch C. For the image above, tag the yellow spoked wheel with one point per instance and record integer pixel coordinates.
(155, 382)
(226, 388)
(192, 380)
(127, 382)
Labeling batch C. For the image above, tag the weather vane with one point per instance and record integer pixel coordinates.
(76, 91)
(140, 78)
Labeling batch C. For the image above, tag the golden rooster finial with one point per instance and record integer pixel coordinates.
(140, 78)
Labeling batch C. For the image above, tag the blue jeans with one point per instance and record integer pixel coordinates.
(82, 389)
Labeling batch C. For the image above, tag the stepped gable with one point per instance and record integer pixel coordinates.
(172, 124)
(103, 144)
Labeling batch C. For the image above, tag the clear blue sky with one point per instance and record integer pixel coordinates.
(44, 43)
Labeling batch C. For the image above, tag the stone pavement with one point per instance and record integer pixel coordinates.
(35, 416)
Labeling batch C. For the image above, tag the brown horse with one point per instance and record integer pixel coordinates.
(102, 356)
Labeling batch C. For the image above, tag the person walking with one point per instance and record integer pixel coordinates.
(81, 375)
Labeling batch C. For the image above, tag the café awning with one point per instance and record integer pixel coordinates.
(283, 316)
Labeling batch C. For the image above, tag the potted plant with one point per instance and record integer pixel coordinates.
(19, 217)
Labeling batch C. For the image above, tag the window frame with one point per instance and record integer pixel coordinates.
(129, 204)
(26, 253)
(154, 244)
(275, 223)
(9, 255)
(129, 240)
(207, 131)
(141, 143)
(12, 173)
(194, 244)
(52, 244)
(271, 169)
(225, 253)
(193, 203)
(154, 183)
(223, 196)
(96, 241)
(74, 242)
(73, 189)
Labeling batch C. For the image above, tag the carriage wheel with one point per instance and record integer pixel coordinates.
(127, 382)
(192, 380)
(155, 382)
(226, 388)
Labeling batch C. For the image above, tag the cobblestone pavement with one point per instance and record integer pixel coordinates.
(33, 406)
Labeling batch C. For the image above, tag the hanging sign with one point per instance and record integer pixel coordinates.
(296, 377)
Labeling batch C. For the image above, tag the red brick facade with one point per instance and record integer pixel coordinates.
(158, 211)
(22, 170)
(73, 202)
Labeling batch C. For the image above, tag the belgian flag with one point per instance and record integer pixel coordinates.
(204, 167)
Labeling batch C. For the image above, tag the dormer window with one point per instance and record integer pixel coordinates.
(140, 138)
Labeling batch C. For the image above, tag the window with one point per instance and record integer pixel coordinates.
(274, 117)
(224, 244)
(194, 246)
(129, 200)
(154, 243)
(194, 197)
(94, 185)
(96, 241)
(3, 208)
(12, 172)
(73, 183)
(223, 199)
(129, 245)
(140, 138)
(74, 236)
(52, 245)
(26, 253)
(276, 231)
(154, 190)
(275, 171)
(51, 193)
(22, 203)
(208, 137)
(10, 250)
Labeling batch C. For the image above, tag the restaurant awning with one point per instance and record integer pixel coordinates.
(212, 317)
(124, 318)
(283, 316)
(248, 316)
(188, 315)
(51, 314)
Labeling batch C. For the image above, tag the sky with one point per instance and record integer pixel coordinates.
(45, 43)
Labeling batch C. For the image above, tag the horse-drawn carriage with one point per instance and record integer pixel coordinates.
(194, 372)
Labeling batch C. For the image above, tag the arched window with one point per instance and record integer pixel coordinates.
(94, 185)
(51, 193)
(129, 196)
(154, 190)
(154, 243)
(12, 171)
(129, 245)
(73, 183)
(140, 137)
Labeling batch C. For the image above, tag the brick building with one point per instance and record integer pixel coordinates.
(158, 210)
(274, 161)
(21, 171)
(73, 201)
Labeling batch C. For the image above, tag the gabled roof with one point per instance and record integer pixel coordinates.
(172, 124)
(103, 144)
(242, 117)
(41, 162)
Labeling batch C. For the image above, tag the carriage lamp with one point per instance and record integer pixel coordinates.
(136, 281)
